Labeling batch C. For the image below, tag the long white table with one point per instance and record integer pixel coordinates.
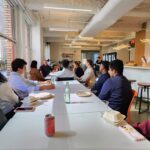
(78, 104)
(79, 126)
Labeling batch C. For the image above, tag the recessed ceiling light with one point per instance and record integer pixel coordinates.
(78, 21)
(67, 9)
(63, 29)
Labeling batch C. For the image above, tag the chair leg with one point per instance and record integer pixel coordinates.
(141, 95)
(137, 98)
(129, 119)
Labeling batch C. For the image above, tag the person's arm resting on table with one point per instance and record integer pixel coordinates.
(106, 90)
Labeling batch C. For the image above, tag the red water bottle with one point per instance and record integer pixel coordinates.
(49, 125)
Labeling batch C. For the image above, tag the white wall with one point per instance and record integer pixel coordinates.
(122, 54)
(37, 42)
(56, 52)
(47, 51)
(132, 54)
(42, 41)
(19, 51)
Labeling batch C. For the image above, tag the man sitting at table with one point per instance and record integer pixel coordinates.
(21, 85)
(45, 68)
(65, 72)
(104, 67)
(117, 89)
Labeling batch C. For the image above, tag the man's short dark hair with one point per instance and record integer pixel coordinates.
(117, 65)
(105, 64)
(18, 63)
(34, 64)
(65, 63)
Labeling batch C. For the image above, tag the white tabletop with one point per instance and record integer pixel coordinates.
(79, 126)
(48, 77)
(78, 104)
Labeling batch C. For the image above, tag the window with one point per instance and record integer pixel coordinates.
(110, 56)
(6, 53)
(7, 41)
(89, 55)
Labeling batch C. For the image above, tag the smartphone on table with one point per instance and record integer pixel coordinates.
(26, 109)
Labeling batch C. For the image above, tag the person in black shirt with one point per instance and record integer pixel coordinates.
(45, 68)
(99, 60)
(96, 66)
(104, 67)
(78, 71)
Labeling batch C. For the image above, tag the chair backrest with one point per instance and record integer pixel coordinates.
(134, 95)
(6, 106)
(65, 78)
(3, 119)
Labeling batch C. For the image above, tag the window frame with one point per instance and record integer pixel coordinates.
(11, 39)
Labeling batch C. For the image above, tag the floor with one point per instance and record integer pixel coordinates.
(136, 117)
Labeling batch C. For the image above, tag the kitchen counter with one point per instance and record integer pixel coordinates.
(138, 67)
(138, 73)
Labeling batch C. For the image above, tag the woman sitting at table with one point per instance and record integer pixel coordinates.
(6, 93)
(89, 77)
(35, 73)
(104, 67)
(78, 71)
(55, 68)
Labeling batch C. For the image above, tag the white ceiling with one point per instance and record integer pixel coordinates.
(70, 19)
(123, 28)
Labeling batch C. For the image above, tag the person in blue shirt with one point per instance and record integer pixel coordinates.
(21, 85)
(104, 67)
(117, 89)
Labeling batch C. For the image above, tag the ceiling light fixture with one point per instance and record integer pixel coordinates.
(122, 46)
(84, 44)
(145, 41)
(85, 38)
(71, 47)
(88, 38)
(67, 9)
(63, 29)
(78, 21)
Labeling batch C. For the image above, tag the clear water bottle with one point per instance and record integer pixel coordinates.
(67, 93)
(53, 79)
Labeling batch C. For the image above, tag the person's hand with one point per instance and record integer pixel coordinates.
(50, 86)
(44, 82)
(47, 87)
(73, 69)
(79, 79)
(48, 82)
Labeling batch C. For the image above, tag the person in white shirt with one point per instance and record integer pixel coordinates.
(6, 93)
(65, 72)
(89, 76)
